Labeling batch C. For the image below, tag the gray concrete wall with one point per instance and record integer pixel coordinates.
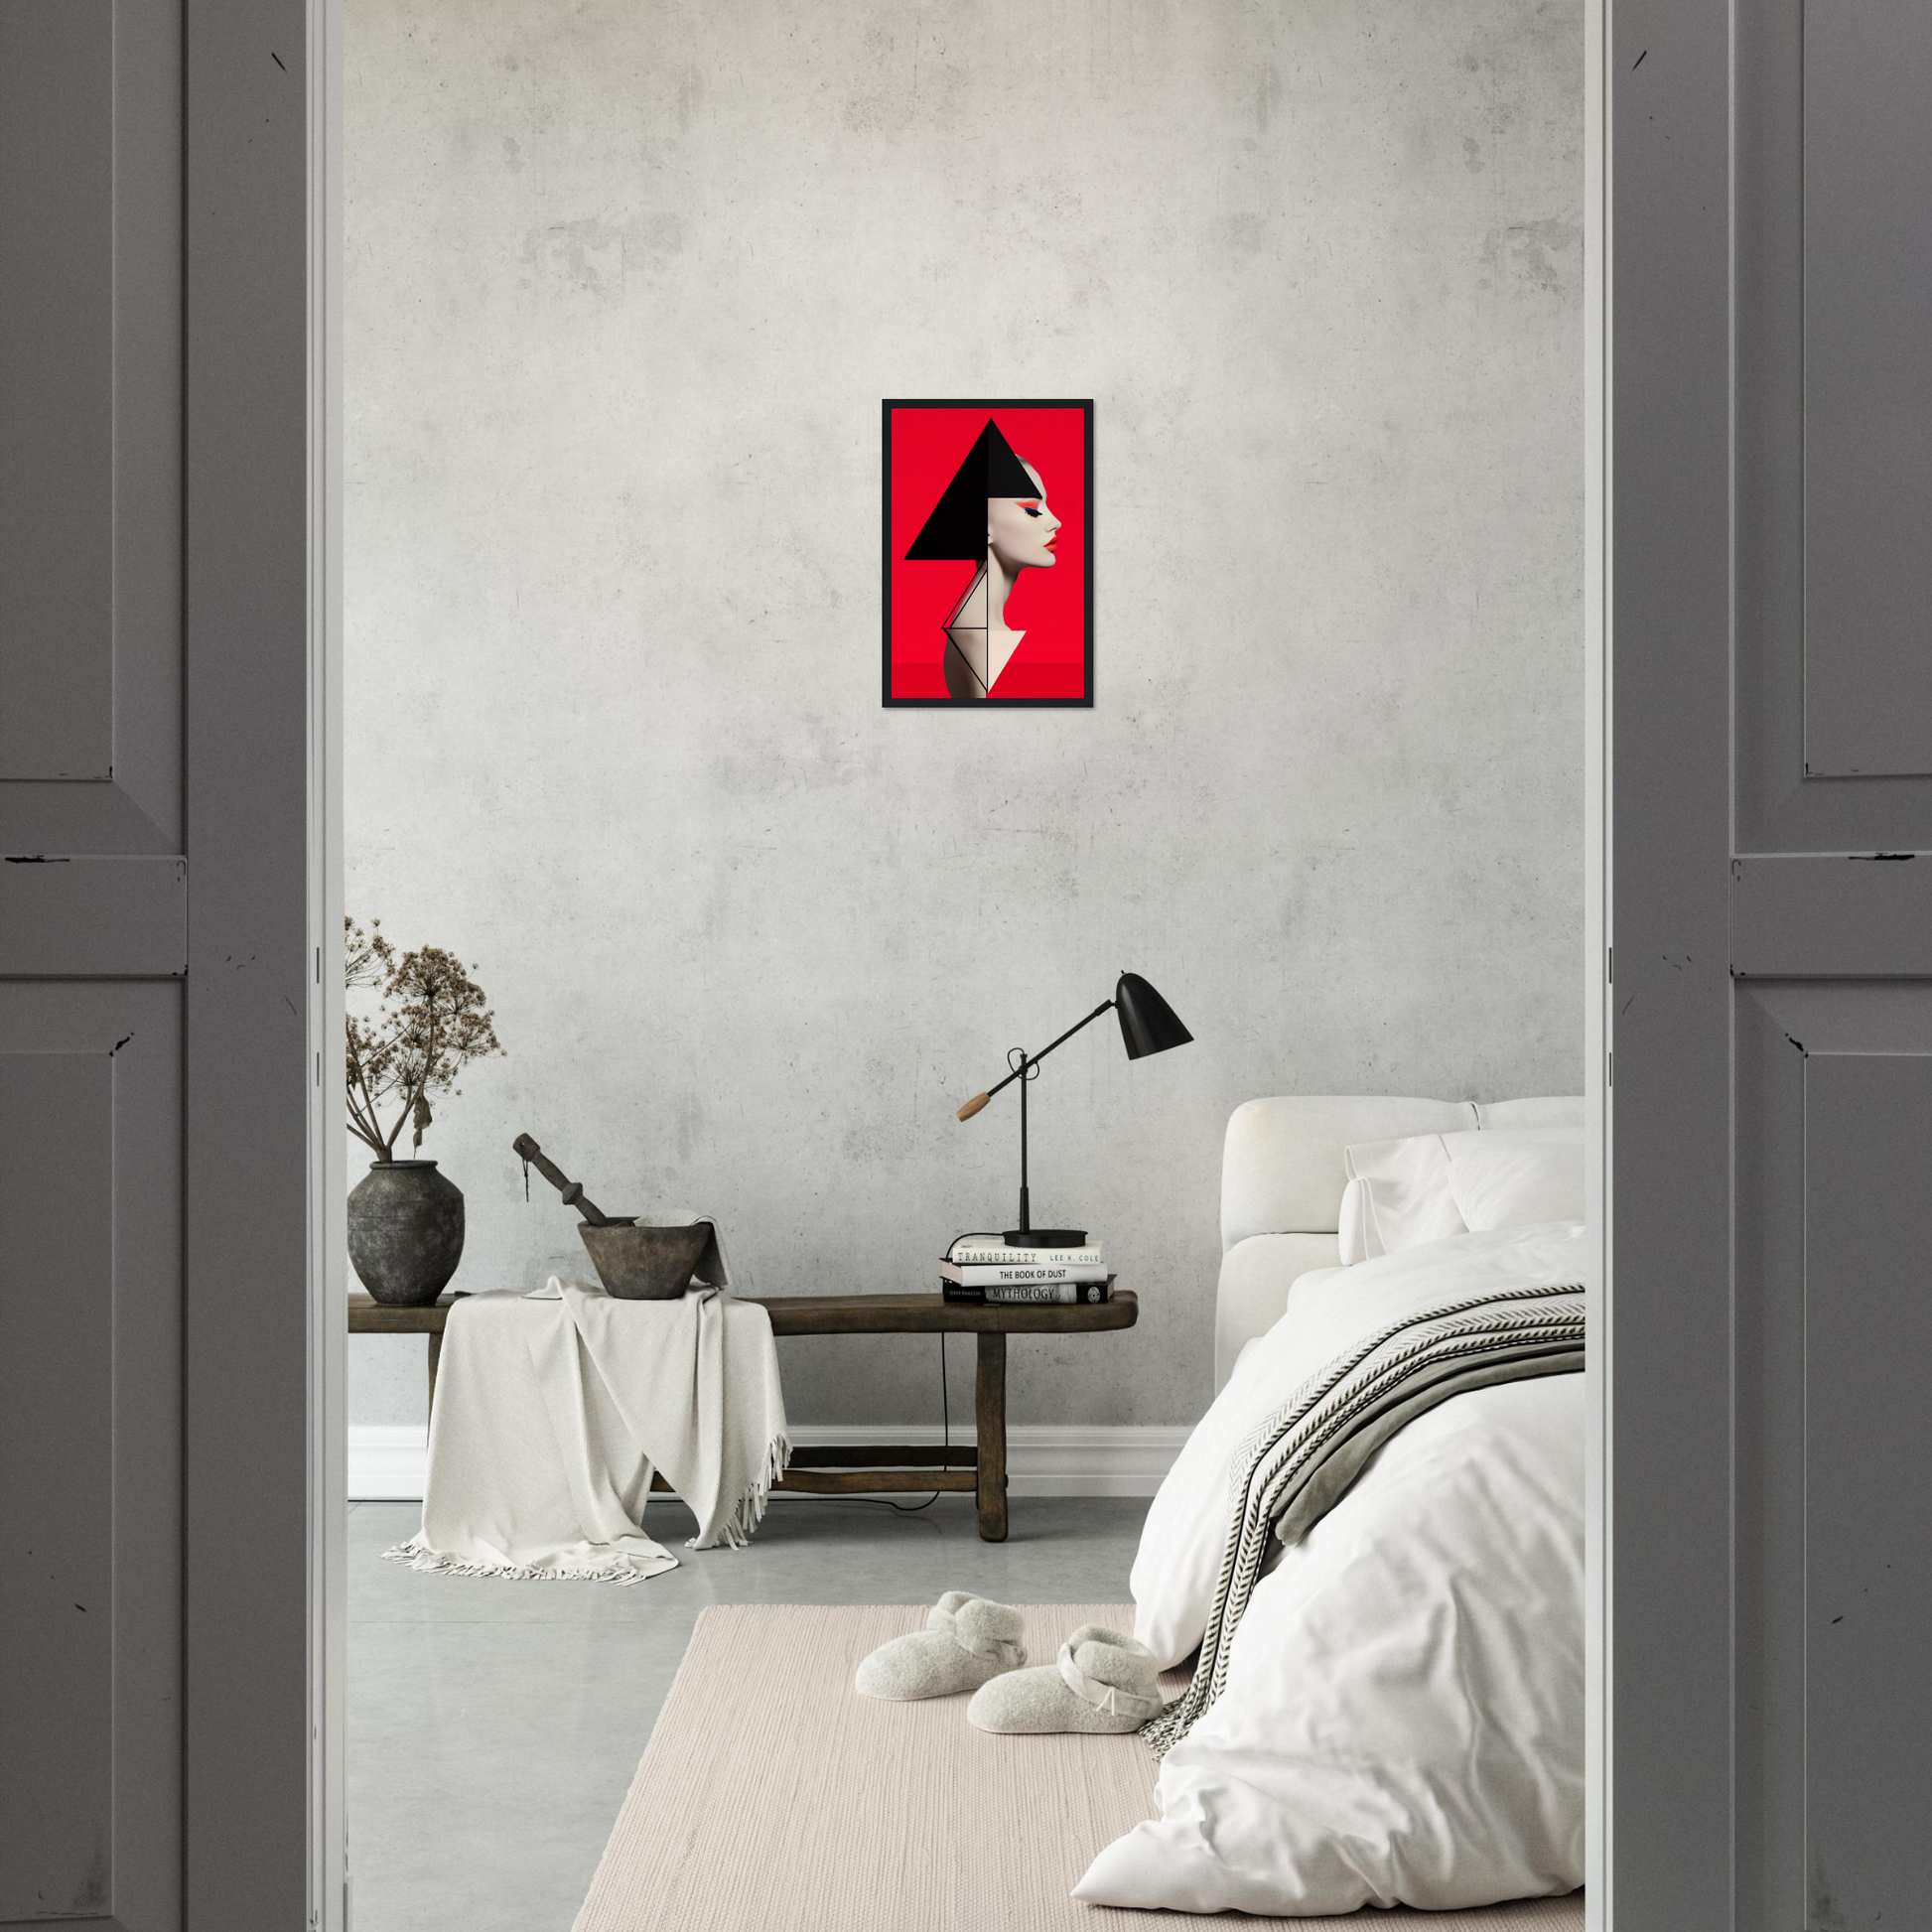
(626, 284)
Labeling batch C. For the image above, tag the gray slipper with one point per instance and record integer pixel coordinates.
(967, 1640)
(1103, 1680)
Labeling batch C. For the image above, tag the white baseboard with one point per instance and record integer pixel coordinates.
(386, 1460)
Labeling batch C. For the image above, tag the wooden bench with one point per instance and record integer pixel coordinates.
(835, 1470)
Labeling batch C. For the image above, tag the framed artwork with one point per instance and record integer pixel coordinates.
(988, 536)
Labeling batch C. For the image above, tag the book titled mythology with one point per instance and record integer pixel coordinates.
(1062, 1293)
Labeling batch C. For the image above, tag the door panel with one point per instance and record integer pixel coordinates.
(90, 1310)
(1867, 1512)
(1771, 914)
(1812, 653)
(1834, 1436)
(111, 919)
(57, 1507)
(1843, 917)
(1867, 387)
(90, 427)
(56, 426)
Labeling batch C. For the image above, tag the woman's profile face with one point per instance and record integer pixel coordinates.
(1020, 530)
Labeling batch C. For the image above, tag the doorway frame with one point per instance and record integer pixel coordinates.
(328, 1856)
(328, 1850)
(1598, 1359)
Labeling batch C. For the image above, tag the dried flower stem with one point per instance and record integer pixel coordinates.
(431, 1020)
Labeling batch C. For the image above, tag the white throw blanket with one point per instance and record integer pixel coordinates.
(553, 1409)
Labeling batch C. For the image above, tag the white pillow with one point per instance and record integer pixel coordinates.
(1514, 1177)
(1429, 1187)
(1354, 1230)
(1403, 1196)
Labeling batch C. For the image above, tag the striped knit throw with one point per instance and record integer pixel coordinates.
(1299, 1459)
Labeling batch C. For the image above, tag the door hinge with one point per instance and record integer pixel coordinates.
(1609, 1069)
(1609, 965)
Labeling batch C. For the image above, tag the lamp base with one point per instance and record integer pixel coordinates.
(1044, 1237)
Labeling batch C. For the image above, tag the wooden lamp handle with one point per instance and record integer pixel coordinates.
(973, 1106)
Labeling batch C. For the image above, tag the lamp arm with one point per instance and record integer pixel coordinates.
(1027, 1060)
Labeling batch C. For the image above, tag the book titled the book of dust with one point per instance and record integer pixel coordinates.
(1020, 1274)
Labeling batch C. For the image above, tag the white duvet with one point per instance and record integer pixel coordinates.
(1402, 1721)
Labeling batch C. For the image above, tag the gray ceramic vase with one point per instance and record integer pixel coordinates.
(405, 1231)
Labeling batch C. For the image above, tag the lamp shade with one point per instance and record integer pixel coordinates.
(1148, 1024)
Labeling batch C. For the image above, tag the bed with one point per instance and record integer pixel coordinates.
(1372, 1541)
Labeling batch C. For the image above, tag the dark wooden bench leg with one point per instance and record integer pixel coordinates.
(435, 1355)
(991, 1419)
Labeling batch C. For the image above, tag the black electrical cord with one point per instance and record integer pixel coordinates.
(945, 1439)
(946, 1436)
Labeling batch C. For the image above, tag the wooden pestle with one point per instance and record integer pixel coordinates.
(571, 1190)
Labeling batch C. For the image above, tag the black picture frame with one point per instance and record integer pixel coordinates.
(1085, 404)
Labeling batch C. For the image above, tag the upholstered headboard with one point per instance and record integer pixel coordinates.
(1282, 1180)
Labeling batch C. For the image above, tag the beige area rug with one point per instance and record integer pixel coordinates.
(773, 1798)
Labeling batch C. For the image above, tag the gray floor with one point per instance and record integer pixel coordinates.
(493, 1726)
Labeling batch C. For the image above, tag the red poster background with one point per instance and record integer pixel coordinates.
(926, 445)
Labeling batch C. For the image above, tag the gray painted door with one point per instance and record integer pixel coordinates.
(93, 943)
(1771, 1464)
(156, 986)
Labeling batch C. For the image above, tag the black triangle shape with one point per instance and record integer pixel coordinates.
(957, 528)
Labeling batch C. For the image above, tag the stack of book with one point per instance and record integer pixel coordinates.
(983, 1268)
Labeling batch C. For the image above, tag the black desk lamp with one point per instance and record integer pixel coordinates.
(1148, 1024)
